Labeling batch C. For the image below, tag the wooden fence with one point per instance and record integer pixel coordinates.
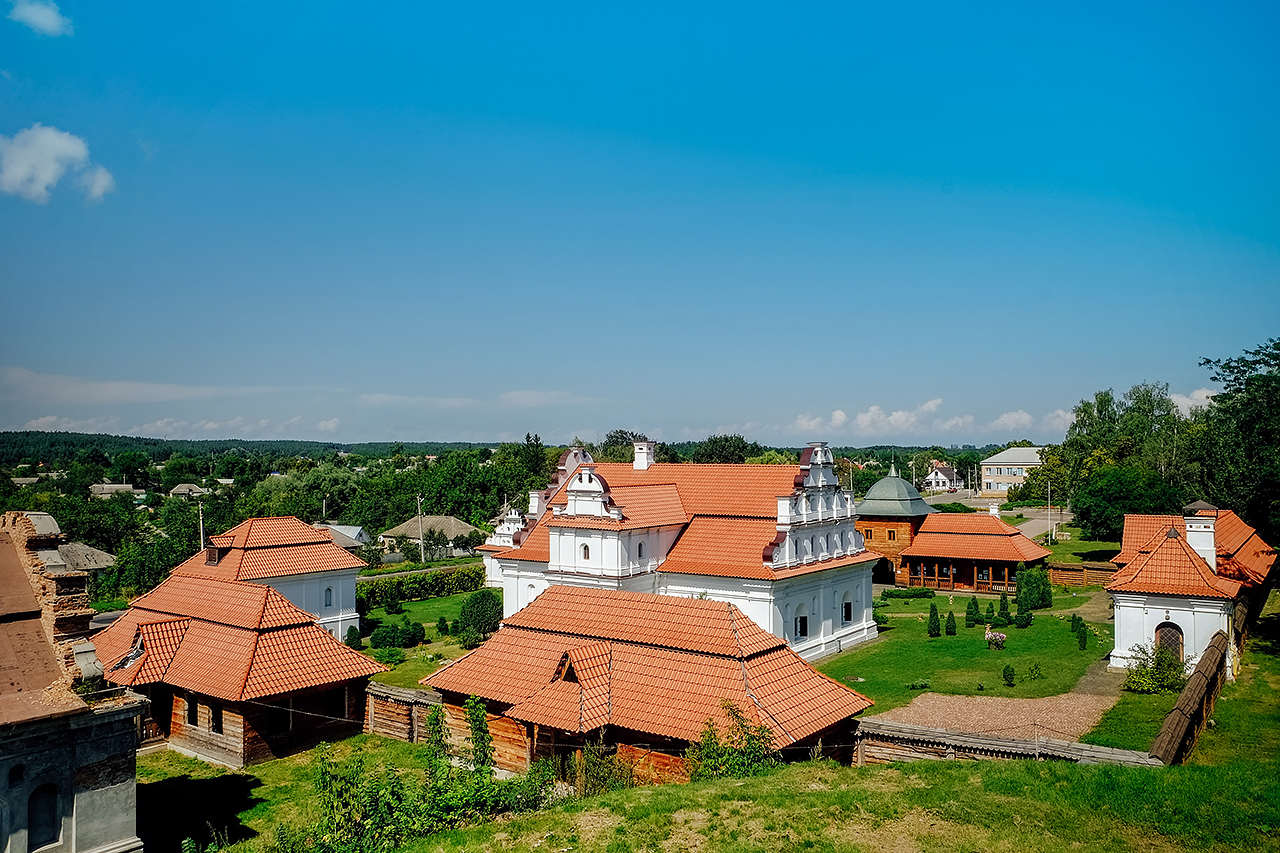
(1183, 725)
(1081, 574)
(881, 741)
(397, 712)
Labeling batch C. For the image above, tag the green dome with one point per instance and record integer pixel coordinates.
(893, 496)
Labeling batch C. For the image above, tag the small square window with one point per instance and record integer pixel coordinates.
(802, 627)
(867, 534)
(846, 612)
(215, 719)
(893, 535)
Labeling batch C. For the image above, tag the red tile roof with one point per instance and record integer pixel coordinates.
(228, 639)
(972, 537)
(268, 548)
(576, 659)
(1242, 555)
(750, 490)
(642, 506)
(1167, 565)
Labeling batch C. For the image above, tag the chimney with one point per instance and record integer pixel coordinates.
(1200, 518)
(994, 509)
(644, 455)
(535, 504)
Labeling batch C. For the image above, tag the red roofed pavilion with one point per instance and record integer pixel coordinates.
(969, 551)
(644, 672)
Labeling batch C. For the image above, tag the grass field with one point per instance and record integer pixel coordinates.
(1062, 600)
(1133, 722)
(958, 665)
(425, 659)
(1077, 549)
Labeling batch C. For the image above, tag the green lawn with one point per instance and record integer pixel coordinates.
(956, 601)
(1133, 722)
(1077, 549)
(427, 658)
(958, 665)
(108, 605)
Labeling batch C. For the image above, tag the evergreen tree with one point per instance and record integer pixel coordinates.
(1004, 605)
(971, 613)
(991, 612)
(442, 627)
(935, 625)
(951, 623)
(352, 639)
(1083, 633)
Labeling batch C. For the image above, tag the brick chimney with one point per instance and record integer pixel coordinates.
(644, 455)
(1199, 518)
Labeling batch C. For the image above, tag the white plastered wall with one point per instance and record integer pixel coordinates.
(307, 592)
(1137, 616)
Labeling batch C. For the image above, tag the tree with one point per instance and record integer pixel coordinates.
(352, 639)
(935, 626)
(951, 623)
(972, 615)
(1034, 590)
(1004, 605)
(442, 627)
(482, 611)
(1103, 500)
(733, 449)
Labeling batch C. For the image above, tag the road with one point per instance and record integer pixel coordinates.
(1037, 518)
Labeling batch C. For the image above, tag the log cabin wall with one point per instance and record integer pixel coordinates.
(511, 739)
(655, 768)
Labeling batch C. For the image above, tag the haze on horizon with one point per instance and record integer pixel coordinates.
(859, 224)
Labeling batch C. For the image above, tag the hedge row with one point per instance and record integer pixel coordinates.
(377, 593)
(908, 592)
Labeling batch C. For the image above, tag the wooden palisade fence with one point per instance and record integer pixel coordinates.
(1183, 725)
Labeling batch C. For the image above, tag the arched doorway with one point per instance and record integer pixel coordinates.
(1169, 636)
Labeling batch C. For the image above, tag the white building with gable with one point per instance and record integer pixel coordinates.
(777, 541)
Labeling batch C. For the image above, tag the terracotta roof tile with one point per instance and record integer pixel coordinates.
(629, 675)
(229, 639)
(1168, 565)
(972, 537)
(536, 546)
(1242, 555)
(706, 489)
(270, 532)
(268, 548)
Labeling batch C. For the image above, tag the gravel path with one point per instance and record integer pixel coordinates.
(1065, 717)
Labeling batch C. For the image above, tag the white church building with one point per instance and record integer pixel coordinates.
(777, 541)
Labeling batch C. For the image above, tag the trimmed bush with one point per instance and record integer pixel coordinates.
(376, 593)
(1023, 620)
(908, 592)
(1000, 622)
(971, 614)
(1083, 633)
(991, 612)
(1010, 677)
(951, 623)
(352, 639)
(935, 627)
(1004, 605)
(386, 637)
(482, 610)
(442, 627)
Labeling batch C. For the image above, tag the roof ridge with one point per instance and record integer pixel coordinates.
(611, 640)
(250, 658)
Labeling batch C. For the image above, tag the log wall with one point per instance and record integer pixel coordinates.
(1182, 727)
(1081, 574)
(654, 768)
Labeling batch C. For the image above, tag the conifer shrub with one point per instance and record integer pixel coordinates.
(935, 626)
(1083, 633)
(991, 612)
(482, 610)
(1034, 590)
(1004, 605)
(352, 639)
(1000, 621)
(442, 627)
(392, 603)
(972, 615)
(469, 638)
(951, 623)
(456, 627)
(388, 656)
(411, 633)
(1010, 677)
(386, 637)
(1023, 620)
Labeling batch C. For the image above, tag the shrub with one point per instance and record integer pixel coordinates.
(386, 637)
(482, 610)
(1083, 633)
(1034, 590)
(935, 627)
(389, 656)
(1076, 622)
(1010, 677)
(376, 593)
(352, 639)
(442, 627)
(1035, 673)
(991, 612)
(469, 638)
(879, 618)
(1155, 670)
(971, 614)
(908, 592)
(1023, 620)
(919, 684)
(434, 736)
(456, 628)
(745, 750)
(954, 506)
(481, 741)
(1001, 621)
(951, 623)
(411, 633)
(392, 604)
(1004, 605)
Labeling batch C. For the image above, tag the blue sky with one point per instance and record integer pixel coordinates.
(859, 224)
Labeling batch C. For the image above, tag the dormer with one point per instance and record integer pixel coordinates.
(817, 467)
(588, 494)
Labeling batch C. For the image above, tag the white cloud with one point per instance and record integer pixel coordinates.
(538, 399)
(42, 16)
(1195, 400)
(813, 425)
(53, 423)
(1057, 421)
(1012, 421)
(35, 160)
(405, 400)
(932, 405)
(958, 422)
(328, 426)
(29, 386)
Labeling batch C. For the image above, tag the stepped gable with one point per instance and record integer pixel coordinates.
(1167, 565)
(228, 639)
(973, 537)
(577, 659)
(267, 548)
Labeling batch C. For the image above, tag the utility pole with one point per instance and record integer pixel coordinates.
(1050, 512)
(422, 542)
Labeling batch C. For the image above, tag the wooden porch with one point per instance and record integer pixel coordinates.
(966, 577)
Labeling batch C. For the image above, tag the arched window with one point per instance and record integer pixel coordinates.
(1169, 636)
(586, 552)
(43, 824)
(328, 596)
(640, 551)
